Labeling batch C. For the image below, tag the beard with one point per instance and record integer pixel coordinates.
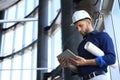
(85, 32)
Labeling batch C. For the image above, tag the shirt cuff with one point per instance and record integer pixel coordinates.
(100, 61)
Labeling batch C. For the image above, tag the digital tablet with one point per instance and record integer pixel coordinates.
(67, 54)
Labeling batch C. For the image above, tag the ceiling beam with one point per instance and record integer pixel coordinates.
(4, 4)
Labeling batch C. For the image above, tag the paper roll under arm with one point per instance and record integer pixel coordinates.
(90, 47)
(93, 49)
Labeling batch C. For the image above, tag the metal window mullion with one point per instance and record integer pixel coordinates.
(12, 52)
(32, 62)
(6, 16)
(1, 71)
(23, 41)
(22, 56)
(4, 36)
(118, 3)
(11, 72)
(13, 44)
(33, 38)
(14, 34)
(33, 30)
(3, 46)
(21, 72)
(49, 12)
(33, 53)
(25, 10)
(53, 51)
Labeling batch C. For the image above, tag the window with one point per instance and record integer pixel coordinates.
(54, 47)
(19, 47)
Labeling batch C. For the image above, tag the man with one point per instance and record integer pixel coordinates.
(87, 65)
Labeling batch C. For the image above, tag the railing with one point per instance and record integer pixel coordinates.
(19, 20)
(54, 75)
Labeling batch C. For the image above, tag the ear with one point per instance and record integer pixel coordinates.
(88, 21)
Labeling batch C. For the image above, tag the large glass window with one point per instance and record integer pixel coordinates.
(54, 40)
(18, 46)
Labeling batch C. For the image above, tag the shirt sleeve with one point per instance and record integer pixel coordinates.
(100, 61)
(108, 49)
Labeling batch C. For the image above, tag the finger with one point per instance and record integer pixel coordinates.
(62, 61)
(72, 61)
(64, 64)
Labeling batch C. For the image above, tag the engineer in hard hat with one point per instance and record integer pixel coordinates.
(87, 65)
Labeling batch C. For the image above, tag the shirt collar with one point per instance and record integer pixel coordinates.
(91, 33)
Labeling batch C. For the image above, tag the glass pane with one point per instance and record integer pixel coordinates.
(26, 75)
(53, 10)
(18, 38)
(8, 43)
(28, 33)
(58, 47)
(6, 70)
(30, 7)
(16, 68)
(12, 13)
(36, 2)
(2, 45)
(21, 9)
(27, 65)
(34, 63)
(35, 30)
(54, 48)
(27, 60)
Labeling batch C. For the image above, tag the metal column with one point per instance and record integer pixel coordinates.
(42, 38)
(70, 36)
(1, 25)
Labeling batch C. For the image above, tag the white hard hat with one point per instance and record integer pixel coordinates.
(79, 15)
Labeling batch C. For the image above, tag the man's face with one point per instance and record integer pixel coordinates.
(82, 27)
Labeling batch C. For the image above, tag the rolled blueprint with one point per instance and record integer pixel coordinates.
(93, 49)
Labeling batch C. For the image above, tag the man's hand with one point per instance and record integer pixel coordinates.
(63, 62)
(80, 61)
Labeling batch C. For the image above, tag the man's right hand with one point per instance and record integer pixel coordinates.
(63, 62)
